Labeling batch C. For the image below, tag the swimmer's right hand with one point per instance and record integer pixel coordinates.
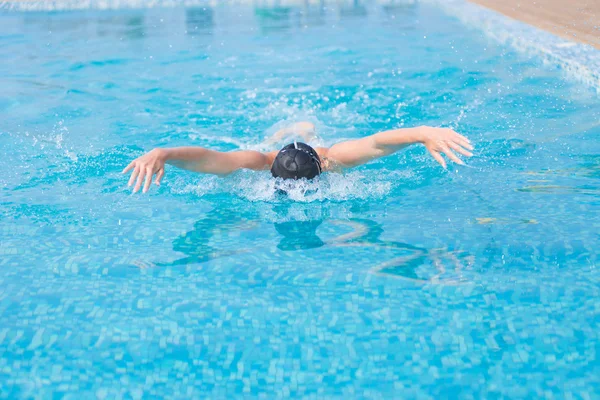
(145, 167)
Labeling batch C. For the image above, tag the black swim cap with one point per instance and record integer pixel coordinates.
(296, 161)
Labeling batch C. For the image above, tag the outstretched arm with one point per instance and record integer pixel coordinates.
(196, 159)
(436, 140)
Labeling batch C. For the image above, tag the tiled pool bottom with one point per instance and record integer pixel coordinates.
(300, 334)
(396, 280)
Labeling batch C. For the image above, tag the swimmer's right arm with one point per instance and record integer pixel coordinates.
(196, 159)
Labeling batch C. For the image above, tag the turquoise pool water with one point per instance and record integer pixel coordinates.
(395, 280)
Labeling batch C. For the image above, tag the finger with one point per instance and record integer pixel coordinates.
(464, 143)
(159, 175)
(130, 166)
(134, 175)
(148, 179)
(438, 157)
(466, 139)
(140, 179)
(452, 156)
(458, 135)
(459, 149)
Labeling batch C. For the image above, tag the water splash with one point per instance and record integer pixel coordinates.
(261, 187)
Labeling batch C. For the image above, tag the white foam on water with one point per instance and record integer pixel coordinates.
(580, 62)
(262, 187)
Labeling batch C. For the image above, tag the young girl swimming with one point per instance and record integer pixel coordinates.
(298, 160)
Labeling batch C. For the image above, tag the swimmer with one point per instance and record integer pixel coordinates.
(297, 160)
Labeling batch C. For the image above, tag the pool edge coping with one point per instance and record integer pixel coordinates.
(579, 61)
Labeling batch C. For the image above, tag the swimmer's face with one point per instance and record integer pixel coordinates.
(296, 161)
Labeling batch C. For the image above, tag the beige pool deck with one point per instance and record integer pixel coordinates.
(577, 20)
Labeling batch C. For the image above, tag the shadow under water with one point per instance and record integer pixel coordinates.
(299, 235)
(212, 234)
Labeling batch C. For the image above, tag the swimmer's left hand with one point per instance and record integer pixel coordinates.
(444, 140)
(144, 168)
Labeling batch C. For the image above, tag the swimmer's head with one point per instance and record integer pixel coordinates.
(296, 161)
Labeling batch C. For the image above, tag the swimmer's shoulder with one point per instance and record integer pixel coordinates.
(327, 164)
(270, 156)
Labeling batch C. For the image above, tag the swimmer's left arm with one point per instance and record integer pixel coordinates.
(436, 140)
